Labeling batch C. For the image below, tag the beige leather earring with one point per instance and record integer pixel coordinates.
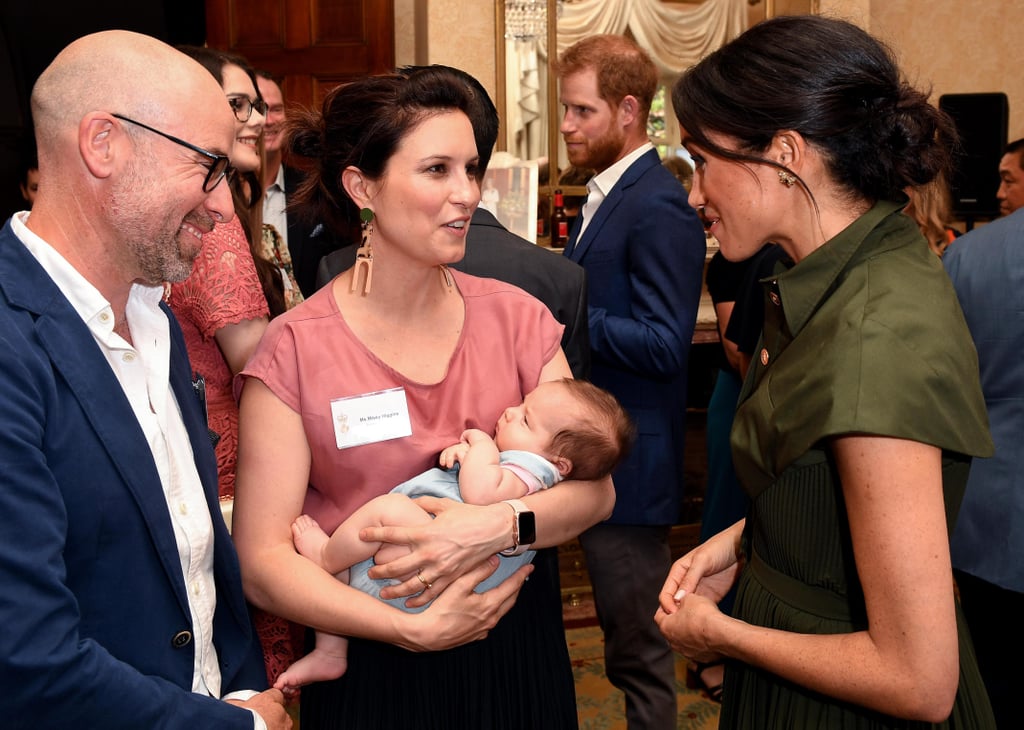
(364, 255)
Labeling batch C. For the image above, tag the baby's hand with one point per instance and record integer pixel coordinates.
(454, 453)
(474, 435)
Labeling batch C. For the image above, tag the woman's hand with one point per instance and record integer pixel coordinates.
(461, 615)
(687, 628)
(694, 586)
(708, 570)
(459, 539)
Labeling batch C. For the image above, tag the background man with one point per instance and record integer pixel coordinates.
(123, 604)
(493, 251)
(307, 241)
(987, 269)
(643, 249)
(1011, 178)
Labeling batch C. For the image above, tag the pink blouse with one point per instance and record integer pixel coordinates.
(310, 357)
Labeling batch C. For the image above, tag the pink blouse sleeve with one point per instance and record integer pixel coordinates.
(223, 287)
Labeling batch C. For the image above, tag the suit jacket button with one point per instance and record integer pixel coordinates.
(764, 356)
(181, 639)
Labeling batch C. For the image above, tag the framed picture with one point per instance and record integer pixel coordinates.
(509, 192)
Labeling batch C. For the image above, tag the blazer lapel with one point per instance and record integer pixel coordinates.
(608, 205)
(75, 355)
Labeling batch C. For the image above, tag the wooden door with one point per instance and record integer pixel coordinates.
(313, 44)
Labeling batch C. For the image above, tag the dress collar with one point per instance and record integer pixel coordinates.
(805, 285)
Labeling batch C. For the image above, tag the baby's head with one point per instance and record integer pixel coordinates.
(577, 426)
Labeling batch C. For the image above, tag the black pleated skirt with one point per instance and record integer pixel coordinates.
(518, 678)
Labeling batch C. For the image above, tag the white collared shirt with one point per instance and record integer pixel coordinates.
(274, 202)
(143, 370)
(602, 183)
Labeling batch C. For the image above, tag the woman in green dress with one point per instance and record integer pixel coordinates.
(860, 415)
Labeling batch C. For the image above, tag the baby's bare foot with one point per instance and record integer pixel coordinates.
(309, 538)
(317, 666)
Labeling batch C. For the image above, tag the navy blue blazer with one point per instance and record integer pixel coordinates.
(644, 257)
(96, 625)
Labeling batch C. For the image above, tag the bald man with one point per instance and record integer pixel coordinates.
(122, 602)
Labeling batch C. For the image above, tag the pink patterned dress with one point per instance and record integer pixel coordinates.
(222, 289)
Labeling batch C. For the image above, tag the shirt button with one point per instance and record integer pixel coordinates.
(764, 356)
(183, 508)
(104, 317)
(128, 357)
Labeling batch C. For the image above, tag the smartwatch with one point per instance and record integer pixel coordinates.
(524, 528)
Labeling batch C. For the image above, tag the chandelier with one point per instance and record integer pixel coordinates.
(527, 20)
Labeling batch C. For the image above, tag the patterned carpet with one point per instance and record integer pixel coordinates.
(602, 707)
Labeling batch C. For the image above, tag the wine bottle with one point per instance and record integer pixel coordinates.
(559, 222)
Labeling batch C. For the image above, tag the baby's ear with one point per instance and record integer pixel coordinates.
(563, 465)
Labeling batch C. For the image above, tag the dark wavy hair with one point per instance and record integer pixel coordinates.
(361, 124)
(832, 82)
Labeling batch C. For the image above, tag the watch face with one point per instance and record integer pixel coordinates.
(527, 528)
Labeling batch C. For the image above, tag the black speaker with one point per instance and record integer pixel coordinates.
(982, 121)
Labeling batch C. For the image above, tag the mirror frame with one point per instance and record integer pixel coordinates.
(501, 89)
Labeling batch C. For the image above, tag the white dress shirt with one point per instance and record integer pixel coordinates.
(601, 184)
(274, 202)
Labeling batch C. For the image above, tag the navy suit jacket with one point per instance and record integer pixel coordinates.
(987, 269)
(644, 256)
(94, 602)
(492, 251)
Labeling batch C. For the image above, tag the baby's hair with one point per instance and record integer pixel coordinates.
(599, 442)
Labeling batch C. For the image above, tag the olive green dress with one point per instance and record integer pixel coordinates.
(863, 336)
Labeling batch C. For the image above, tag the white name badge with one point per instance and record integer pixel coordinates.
(371, 417)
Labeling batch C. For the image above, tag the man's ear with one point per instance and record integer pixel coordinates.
(629, 110)
(97, 143)
(358, 187)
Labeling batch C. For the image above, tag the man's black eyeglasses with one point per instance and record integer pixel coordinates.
(219, 167)
(242, 106)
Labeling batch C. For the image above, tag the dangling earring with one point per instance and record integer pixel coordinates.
(786, 179)
(446, 278)
(364, 255)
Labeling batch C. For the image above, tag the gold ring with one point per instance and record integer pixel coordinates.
(424, 581)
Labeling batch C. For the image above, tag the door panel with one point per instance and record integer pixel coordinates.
(313, 44)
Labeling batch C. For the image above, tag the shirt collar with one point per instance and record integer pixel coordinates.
(808, 283)
(606, 179)
(279, 180)
(79, 291)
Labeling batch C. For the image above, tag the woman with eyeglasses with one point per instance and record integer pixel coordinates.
(222, 305)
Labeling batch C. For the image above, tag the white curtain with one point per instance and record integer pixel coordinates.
(676, 37)
(526, 116)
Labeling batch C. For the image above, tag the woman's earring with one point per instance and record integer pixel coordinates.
(786, 179)
(364, 255)
(446, 278)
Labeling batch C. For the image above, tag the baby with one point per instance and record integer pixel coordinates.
(563, 429)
